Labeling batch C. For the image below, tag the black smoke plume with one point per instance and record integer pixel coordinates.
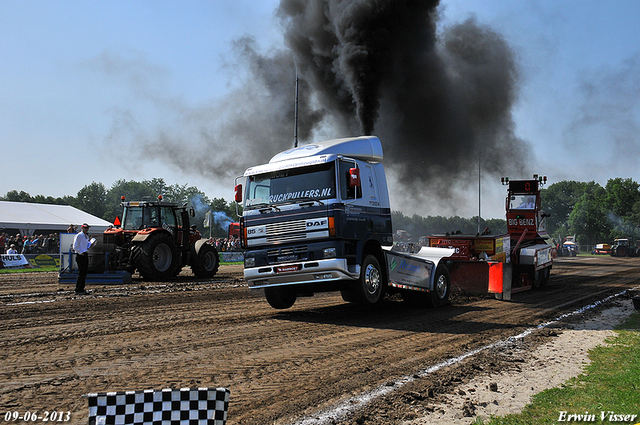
(436, 101)
(437, 97)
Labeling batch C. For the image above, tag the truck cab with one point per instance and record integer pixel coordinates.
(532, 254)
(311, 218)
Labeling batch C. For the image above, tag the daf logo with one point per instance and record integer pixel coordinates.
(316, 223)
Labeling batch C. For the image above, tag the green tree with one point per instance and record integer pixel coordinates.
(15, 196)
(622, 202)
(157, 186)
(588, 219)
(92, 199)
(131, 190)
(558, 200)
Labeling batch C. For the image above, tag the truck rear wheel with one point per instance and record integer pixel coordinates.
(157, 260)
(206, 262)
(280, 297)
(369, 289)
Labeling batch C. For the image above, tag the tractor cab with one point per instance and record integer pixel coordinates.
(142, 215)
(140, 218)
(525, 219)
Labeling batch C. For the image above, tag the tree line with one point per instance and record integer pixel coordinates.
(99, 201)
(594, 214)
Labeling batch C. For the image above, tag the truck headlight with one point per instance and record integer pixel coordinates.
(329, 253)
(249, 261)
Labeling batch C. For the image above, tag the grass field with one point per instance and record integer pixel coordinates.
(607, 392)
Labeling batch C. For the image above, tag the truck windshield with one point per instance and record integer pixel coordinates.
(288, 186)
(523, 202)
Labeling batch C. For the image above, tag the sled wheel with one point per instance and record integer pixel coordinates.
(441, 287)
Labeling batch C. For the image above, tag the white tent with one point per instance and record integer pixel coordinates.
(29, 218)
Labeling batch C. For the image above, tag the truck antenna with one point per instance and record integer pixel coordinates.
(295, 124)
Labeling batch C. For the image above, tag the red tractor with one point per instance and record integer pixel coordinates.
(156, 239)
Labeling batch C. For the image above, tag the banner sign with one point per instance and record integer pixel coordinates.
(44, 260)
(232, 256)
(14, 261)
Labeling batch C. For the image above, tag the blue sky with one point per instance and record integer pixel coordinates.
(77, 76)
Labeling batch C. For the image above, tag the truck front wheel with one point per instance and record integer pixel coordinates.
(369, 289)
(280, 297)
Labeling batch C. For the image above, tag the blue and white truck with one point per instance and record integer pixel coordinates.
(317, 218)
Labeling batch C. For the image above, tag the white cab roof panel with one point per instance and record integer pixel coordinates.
(364, 148)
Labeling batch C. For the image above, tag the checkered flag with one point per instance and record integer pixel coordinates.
(192, 406)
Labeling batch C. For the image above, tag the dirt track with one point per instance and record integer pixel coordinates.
(280, 366)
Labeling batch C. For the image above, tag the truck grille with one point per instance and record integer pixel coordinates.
(287, 251)
(277, 229)
(288, 231)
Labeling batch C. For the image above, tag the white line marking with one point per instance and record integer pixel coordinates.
(338, 412)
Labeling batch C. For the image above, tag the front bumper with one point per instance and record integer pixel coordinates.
(306, 272)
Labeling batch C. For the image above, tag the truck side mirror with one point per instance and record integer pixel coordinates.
(354, 177)
(238, 193)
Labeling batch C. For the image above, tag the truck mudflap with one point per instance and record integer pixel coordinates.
(414, 271)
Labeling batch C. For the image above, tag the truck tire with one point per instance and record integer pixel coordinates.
(347, 295)
(441, 287)
(370, 287)
(206, 262)
(545, 276)
(280, 297)
(540, 278)
(535, 277)
(157, 259)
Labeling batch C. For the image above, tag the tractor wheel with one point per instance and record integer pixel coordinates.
(206, 262)
(280, 297)
(621, 251)
(370, 288)
(157, 260)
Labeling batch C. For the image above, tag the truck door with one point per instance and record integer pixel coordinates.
(369, 186)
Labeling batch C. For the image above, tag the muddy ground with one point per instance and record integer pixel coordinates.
(282, 367)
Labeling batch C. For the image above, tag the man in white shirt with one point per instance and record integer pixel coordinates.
(81, 244)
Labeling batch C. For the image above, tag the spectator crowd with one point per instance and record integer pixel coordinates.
(50, 244)
(226, 244)
(35, 244)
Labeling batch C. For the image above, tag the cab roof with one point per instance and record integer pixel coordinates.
(365, 148)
